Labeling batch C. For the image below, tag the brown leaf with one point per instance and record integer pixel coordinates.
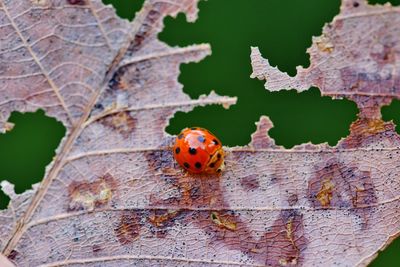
(114, 196)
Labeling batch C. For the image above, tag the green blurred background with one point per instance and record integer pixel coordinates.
(282, 29)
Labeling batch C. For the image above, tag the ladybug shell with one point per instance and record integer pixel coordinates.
(199, 151)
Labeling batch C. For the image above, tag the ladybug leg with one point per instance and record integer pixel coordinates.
(221, 167)
(228, 161)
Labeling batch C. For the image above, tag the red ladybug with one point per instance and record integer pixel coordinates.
(198, 151)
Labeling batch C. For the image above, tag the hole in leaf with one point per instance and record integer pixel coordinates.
(283, 30)
(393, 2)
(27, 149)
(126, 8)
(392, 112)
(4, 199)
(298, 118)
(388, 257)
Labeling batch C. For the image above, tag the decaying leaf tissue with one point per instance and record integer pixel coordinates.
(113, 195)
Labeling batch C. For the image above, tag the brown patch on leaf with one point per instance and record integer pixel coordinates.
(77, 2)
(86, 195)
(293, 199)
(161, 161)
(13, 255)
(336, 185)
(324, 195)
(125, 86)
(250, 182)
(387, 55)
(130, 77)
(121, 122)
(121, 79)
(356, 81)
(149, 24)
(321, 187)
(96, 248)
(363, 195)
(200, 192)
(285, 241)
(129, 226)
(226, 228)
(370, 107)
(224, 221)
(161, 220)
(162, 164)
(365, 131)
(324, 44)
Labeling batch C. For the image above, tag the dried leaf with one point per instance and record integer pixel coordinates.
(114, 196)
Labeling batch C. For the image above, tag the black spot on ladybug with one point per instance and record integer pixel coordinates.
(212, 165)
(219, 156)
(193, 128)
(198, 165)
(186, 165)
(177, 150)
(215, 142)
(201, 139)
(192, 151)
(180, 136)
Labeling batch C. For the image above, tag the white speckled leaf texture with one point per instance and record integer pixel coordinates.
(113, 196)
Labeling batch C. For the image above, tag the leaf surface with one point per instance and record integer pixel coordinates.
(114, 196)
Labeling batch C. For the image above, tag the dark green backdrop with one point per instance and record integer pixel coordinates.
(281, 28)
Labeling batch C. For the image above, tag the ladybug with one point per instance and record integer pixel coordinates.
(197, 150)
